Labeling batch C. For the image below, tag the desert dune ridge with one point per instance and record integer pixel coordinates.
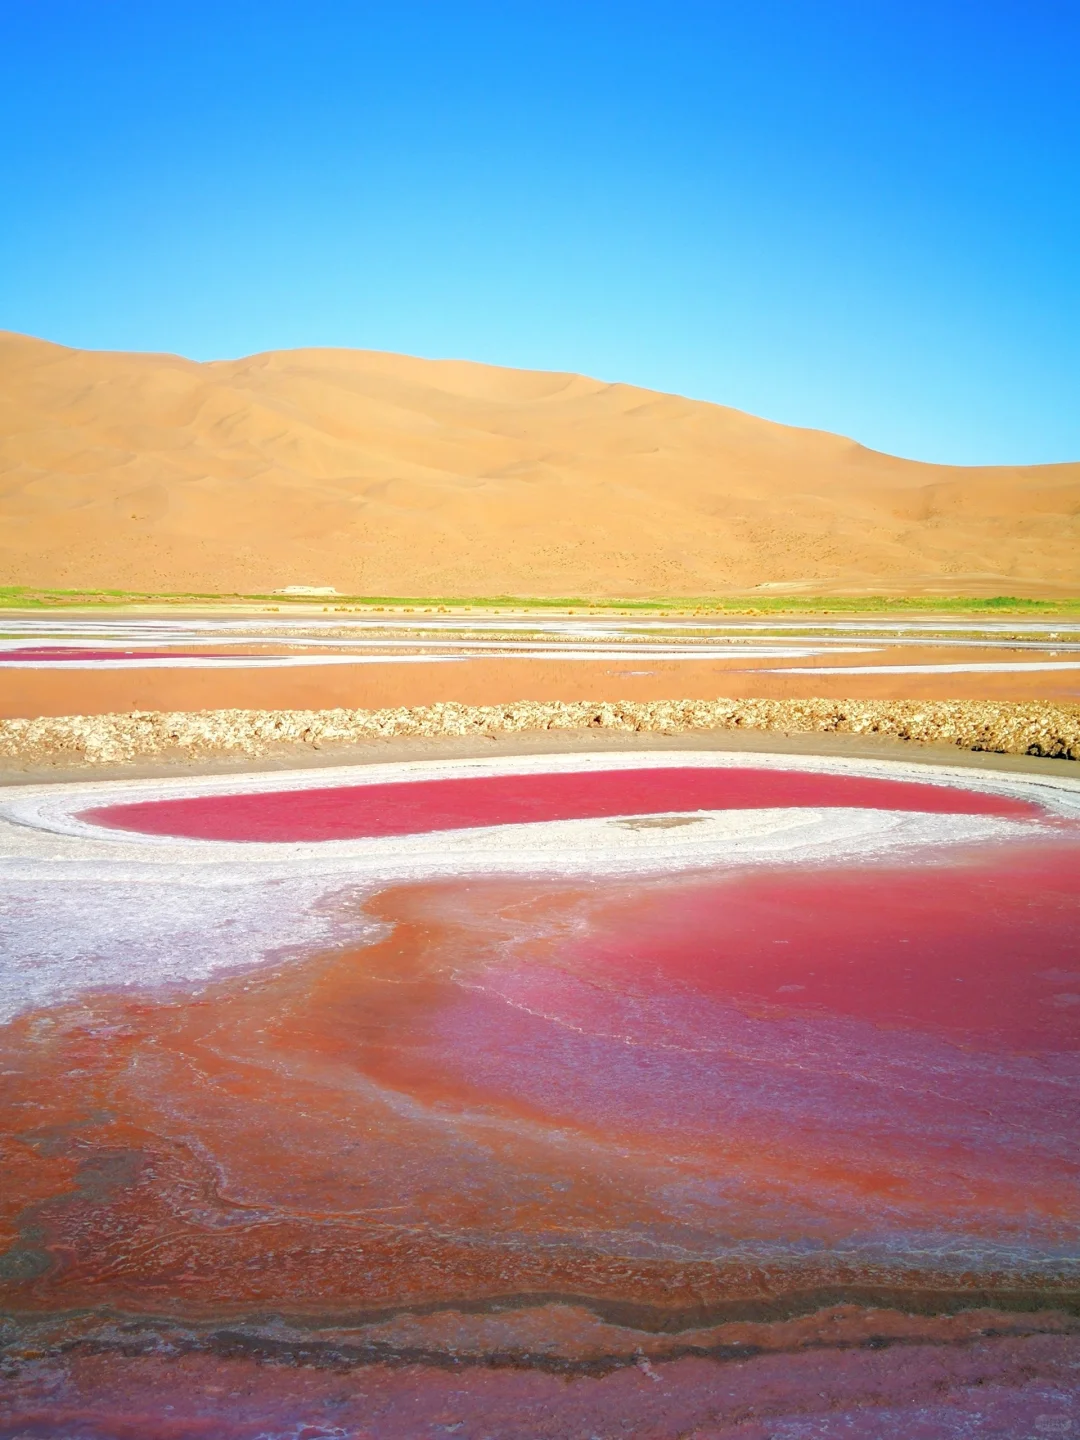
(375, 474)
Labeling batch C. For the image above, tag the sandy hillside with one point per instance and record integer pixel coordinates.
(382, 474)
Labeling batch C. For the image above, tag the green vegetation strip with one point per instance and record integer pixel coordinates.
(25, 597)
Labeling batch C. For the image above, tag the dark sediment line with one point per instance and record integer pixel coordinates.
(138, 1339)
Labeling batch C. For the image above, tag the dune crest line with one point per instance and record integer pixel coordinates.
(1003, 727)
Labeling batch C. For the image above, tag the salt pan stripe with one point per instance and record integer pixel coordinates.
(250, 662)
(988, 667)
(226, 662)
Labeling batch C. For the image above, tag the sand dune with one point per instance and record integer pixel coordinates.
(386, 475)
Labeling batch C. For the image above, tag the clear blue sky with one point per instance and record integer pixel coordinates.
(862, 215)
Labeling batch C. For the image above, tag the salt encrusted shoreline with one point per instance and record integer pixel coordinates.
(998, 726)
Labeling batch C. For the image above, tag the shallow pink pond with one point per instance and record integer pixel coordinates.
(350, 812)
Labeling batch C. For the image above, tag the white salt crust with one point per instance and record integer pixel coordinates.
(83, 907)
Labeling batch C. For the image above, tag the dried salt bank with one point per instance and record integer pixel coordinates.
(1010, 729)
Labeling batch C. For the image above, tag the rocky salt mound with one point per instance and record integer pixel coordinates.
(995, 726)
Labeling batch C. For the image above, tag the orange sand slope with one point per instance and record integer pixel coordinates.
(383, 474)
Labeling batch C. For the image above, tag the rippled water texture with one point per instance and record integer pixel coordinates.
(780, 1150)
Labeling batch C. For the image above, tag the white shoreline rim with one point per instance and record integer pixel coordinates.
(54, 808)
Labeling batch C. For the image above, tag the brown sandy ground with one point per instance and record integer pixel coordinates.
(74, 741)
(498, 681)
(386, 475)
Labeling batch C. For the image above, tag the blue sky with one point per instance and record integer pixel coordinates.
(861, 215)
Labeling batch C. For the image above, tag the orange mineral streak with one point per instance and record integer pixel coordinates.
(257, 1144)
(305, 1139)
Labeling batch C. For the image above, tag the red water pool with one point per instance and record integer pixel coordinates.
(350, 812)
